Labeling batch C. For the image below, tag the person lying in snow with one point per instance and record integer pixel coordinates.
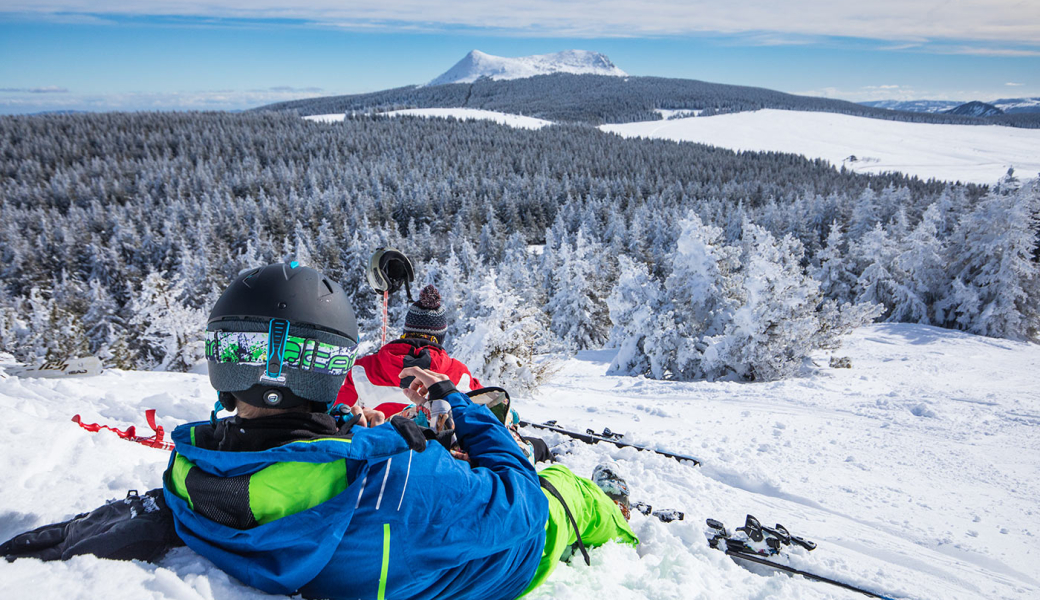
(289, 499)
(374, 378)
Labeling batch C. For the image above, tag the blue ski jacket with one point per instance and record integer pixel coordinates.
(366, 516)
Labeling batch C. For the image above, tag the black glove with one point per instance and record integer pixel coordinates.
(410, 431)
(136, 528)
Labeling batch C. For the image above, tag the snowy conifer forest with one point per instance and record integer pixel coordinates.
(117, 231)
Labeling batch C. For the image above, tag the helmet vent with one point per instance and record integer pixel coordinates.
(328, 286)
(251, 278)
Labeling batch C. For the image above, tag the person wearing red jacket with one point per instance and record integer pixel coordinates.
(375, 377)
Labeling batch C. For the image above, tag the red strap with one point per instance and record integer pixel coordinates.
(130, 433)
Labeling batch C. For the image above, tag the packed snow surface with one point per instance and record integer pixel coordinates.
(462, 114)
(967, 153)
(917, 471)
(477, 64)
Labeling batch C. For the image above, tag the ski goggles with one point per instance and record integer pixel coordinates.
(277, 349)
(496, 399)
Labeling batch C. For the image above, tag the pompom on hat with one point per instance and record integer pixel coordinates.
(425, 317)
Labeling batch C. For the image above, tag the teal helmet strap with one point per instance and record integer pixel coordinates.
(277, 338)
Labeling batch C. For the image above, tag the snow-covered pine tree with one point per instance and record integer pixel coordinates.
(875, 254)
(773, 330)
(918, 271)
(577, 308)
(517, 270)
(997, 282)
(453, 286)
(836, 278)
(634, 305)
(701, 295)
(504, 338)
(865, 214)
(171, 333)
(104, 325)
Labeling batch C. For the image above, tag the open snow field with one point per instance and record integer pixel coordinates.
(917, 471)
(968, 153)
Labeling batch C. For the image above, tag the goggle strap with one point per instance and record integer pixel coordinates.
(277, 336)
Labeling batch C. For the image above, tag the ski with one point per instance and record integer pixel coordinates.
(75, 367)
(759, 542)
(762, 561)
(608, 437)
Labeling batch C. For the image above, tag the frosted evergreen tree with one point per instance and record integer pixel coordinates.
(875, 284)
(103, 324)
(505, 336)
(864, 215)
(517, 271)
(773, 330)
(453, 286)
(919, 271)
(634, 305)
(837, 280)
(578, 312)
(991, 256)
(37, 341)
(171, 333)
(702, 293)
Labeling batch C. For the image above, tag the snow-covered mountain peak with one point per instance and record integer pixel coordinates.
(478, 64)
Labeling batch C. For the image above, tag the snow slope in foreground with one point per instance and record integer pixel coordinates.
(968, 153)
(463, 114)
(917, 471)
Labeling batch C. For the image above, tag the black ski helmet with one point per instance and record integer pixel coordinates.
(281, 336)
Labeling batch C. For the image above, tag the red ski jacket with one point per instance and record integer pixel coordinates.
(383, 369)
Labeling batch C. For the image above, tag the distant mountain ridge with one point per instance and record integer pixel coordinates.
(976, 109)
(1010, 106)
(477, 64)
(922, 106)
(579, 86)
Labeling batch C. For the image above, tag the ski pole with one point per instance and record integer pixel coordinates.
(592, 438)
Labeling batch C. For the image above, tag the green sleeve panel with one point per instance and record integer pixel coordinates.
(274, 492)
(179, 477)
(288, 488)
(598, 518)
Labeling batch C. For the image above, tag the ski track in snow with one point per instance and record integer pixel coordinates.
(916, 472)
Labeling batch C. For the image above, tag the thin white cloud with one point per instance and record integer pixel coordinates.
(1008, 22)
(50, 89)
(14, 101)
(977, 51)
(869, 93)
(1013, 84)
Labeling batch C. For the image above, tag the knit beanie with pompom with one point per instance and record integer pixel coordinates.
(425, 317)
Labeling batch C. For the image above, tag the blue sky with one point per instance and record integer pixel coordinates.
(149, 55)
